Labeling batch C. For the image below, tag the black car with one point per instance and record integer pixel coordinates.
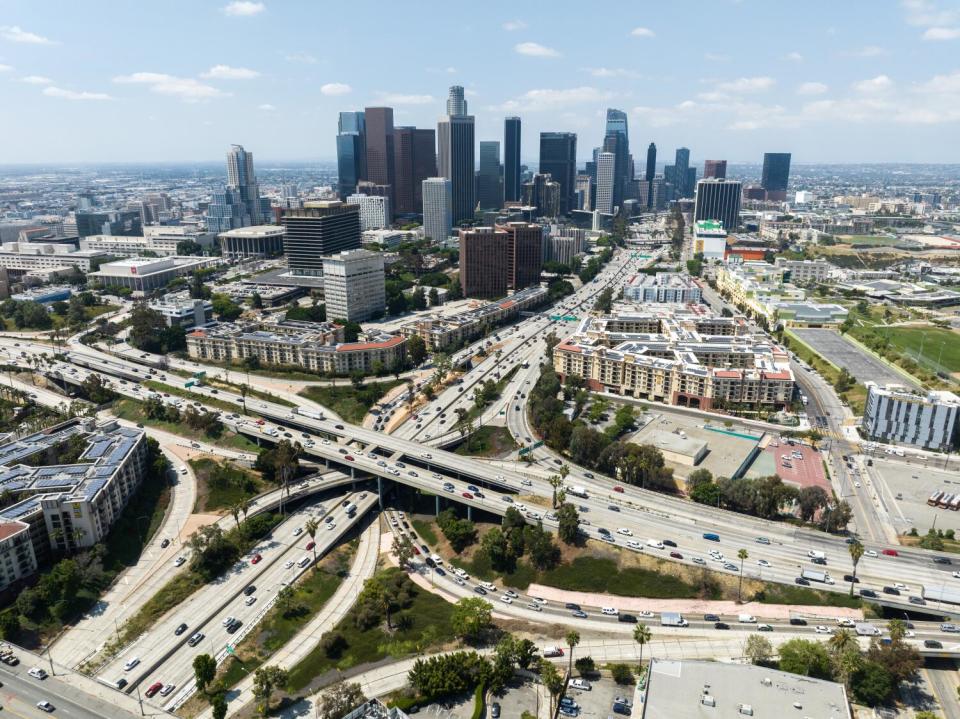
(818, 560)
(338, 426)
(121, 683)
(430, 562)
(571, 605)
(180, 630)
(891, 590)
(868, 593)
(425, 548)
(798, 622)
(248, 590)
(441, 571)
(711, 618)
(628, 618)
(801, 581)
(917, 600)
(480, 590)
(851, 578)
(495, 710)
(234, 626)
(932, 644)
(942, 560)
(669, 543)
(164, 544)
(721, 625)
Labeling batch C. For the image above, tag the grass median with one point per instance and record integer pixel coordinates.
(351, 403)
(132, 411)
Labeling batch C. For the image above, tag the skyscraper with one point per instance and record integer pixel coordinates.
(240, 205)
(318, 229)
(511, 159)
(716, 169)
(437, 209)
(558, 158)
(381, 159)
(489, 195)
(776, 175)
(416, 160)
(456, 103)
(606, 169)
(651, 162)
(455, 161)
(484, 262)
(351, 152)
(616, 140)
(524, 254)
(718, 199)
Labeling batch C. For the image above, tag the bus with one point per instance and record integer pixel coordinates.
(934, 499)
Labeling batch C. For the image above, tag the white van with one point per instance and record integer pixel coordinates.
(437, 559)
(655, 543)
(610, 611)
(304, 561)
(746, 619)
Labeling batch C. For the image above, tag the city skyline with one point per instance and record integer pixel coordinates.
(86, 90)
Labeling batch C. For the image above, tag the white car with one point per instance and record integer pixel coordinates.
(901, 586)
(506, 600)
(179, 562)
(655, 543)
(625, 531)
(539, 600)
(870, 553)
(763, 562)
(610, 611)
(288, 564)
(490, 587)
(45, 706)
(131, 663)
(646, 614)
(535, 607)
(581, 684)
(37, 673)
(821, 629)
(250, 601)
(844, 622)
(956, 575)
(634, 544)
(298, 531)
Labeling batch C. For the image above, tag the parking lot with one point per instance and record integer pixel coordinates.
(598, 702)
(915, 483)
(456, 708)
(519, 697)
(840, 351)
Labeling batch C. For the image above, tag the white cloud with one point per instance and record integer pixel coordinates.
(794, 57)
(942, 33)
(548, 99)
(15, 33)
(266, 107)
(301, 57)
(612, 72)
(747, 84)
(36, 80)
(451, 70)
(400, 99)
(534, 49)
(74, 95)
(336, 88)
(642, 32)
(924, 13)
(6, 68)
(225, 72)
(514, 25)
(186, 88)
(243, 8)
(812, 88)
(880, 83)
(869, 51)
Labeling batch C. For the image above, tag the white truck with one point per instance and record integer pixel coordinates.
(672, 619)
(816, 554)
(814, 575)
(865, 629)
(577, 490)
(308, 413)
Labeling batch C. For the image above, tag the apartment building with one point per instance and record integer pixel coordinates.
(353, 285)
(685, 357)
(662, 288)
(895, 415)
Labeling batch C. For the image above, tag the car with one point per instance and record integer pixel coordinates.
(763, 563)
(868, 593)
(10, 659)
(534, 606)
(331, 526)
(579, 614)
(37, 673)
(901, 586)
(669, 543)
(338, 426)
(731, 567)
(45, 706)
(625, 531)
(613, 508)
(234, 626)
(891, 590)
(167, 690)
(349, 458)
(711, 618)
(950, 628)
(627, 618)
(822, 629)
(581, 684)
(153, 689)
(698, 560)
(310, 545)
(956, 575)
(506, 600)
(288, 564)
(131, 663)
(180, 629)
(802, 582)
(571, 605)
(890, 553)
(765, 627)
(495, 710)
(179, 561)
(618, 489)
(256, 558)
(164, 544)
(512, 594)
(248, 590)
(568, 712)
(506, 498)
(917, 600)
(298, 531)
(467, 495)
(762, 540)
(721, 625)
(798, 622)
(942, 560)
(932, 644)
(440, 571)
(195, 639)
(480, 590)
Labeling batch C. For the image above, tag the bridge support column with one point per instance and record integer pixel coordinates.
(437, 510)
(469, 512)
(380, 491)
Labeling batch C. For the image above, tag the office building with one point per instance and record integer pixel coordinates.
(388, 239)
(606, 179)
(375, 211)
(662, 288)
(524, 254)
(719, 200)
(489, 189)
(179, 310)
(651, 169)
(144, 275)
(715, 169)
(558, 158)
(456, 102)
(455, 161)
(484, 262)
(114, 222)
(694, 689)
(437, 209)
(776, 175)
(563, 249)
(380, 147)
(351, 152)
(709, 240)
(241, 177)
(47, 260)
(416, 160)
(316, 230)
(616, 140)
(585, 192)
(895, 415)
(511, 159)
(249, 242)
(680, 176)
(801, 272)
(543, 194)
(353, 285)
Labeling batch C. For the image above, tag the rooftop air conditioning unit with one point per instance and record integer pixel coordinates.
(708, 701)
(746, 710)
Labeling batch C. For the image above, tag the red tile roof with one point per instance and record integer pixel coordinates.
(568, 348)
(360, 346)
(727, 373)
(8, 529)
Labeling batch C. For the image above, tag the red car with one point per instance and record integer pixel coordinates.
(154, 688)
(467, 495)
(349, 458)
(260, 422)
(311, 545)
(618, 488)
(416, 551)
(890, 552)
(256, 559)
(676, 555)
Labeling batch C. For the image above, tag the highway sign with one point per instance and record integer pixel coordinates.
(527, 450)
(230, 649)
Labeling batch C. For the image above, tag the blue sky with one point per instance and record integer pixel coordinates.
(845, 81)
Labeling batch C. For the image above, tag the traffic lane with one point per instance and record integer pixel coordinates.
(21, 693)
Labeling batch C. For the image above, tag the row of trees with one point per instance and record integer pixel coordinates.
(514, 539)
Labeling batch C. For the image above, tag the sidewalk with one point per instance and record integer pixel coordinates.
(308, 638)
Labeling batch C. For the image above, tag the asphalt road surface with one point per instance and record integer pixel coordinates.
(841, 352)
(20, 694)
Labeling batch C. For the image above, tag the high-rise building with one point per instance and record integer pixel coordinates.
(456, 103)
(651, 172)
(375, 211)
(718, 200)
(584, 192)
(484, 262)
(894, 414)
(606, 179)
(616, 140)
(544, 194)
(318, 229)
(455, 161)
(416, 160)
(558, 158)
(524, 254)
(776, 175)
(381, 157)
(351, 152)
(715, 169)
(112, 222)
(353, 285)
(678, 176)
(511, 159)
(240, 204)
(489, 194)
(437, 209)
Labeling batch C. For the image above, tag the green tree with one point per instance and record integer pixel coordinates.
(471, 617)
(402, 549)
(553, 681)
(310, 527)
(339, 699)
(218, 706)
(416, 349)
(572, 639)
(741, 555)
(204, 669)
(256, 301)
(872, 684)
(856, 552)
(758, 649)
(434, 297)
(265, 680)
(419, 299)
(621, 673)
(568, 523)
(802, 656)
(189, 247)
(642, 636)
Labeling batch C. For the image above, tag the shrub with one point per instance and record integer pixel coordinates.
(622, 673)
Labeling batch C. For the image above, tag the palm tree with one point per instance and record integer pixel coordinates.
(641, 635)
(564, 470)
(244, 507)
(243, 395)
(235, 511)
(573, 639)
(856, 551)
(741, 554)
(840, 641)
(556, 481)
(310, 527)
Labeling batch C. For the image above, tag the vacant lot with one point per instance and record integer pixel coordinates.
(350, 402)
(223, 485)
(841, 352)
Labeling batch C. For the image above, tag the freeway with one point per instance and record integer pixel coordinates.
(21, 693)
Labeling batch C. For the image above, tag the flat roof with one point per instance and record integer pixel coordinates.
(254, 231)
(694, 689)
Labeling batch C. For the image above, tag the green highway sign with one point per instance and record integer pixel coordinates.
(527, 450)
(570, 318)
(230, 649)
